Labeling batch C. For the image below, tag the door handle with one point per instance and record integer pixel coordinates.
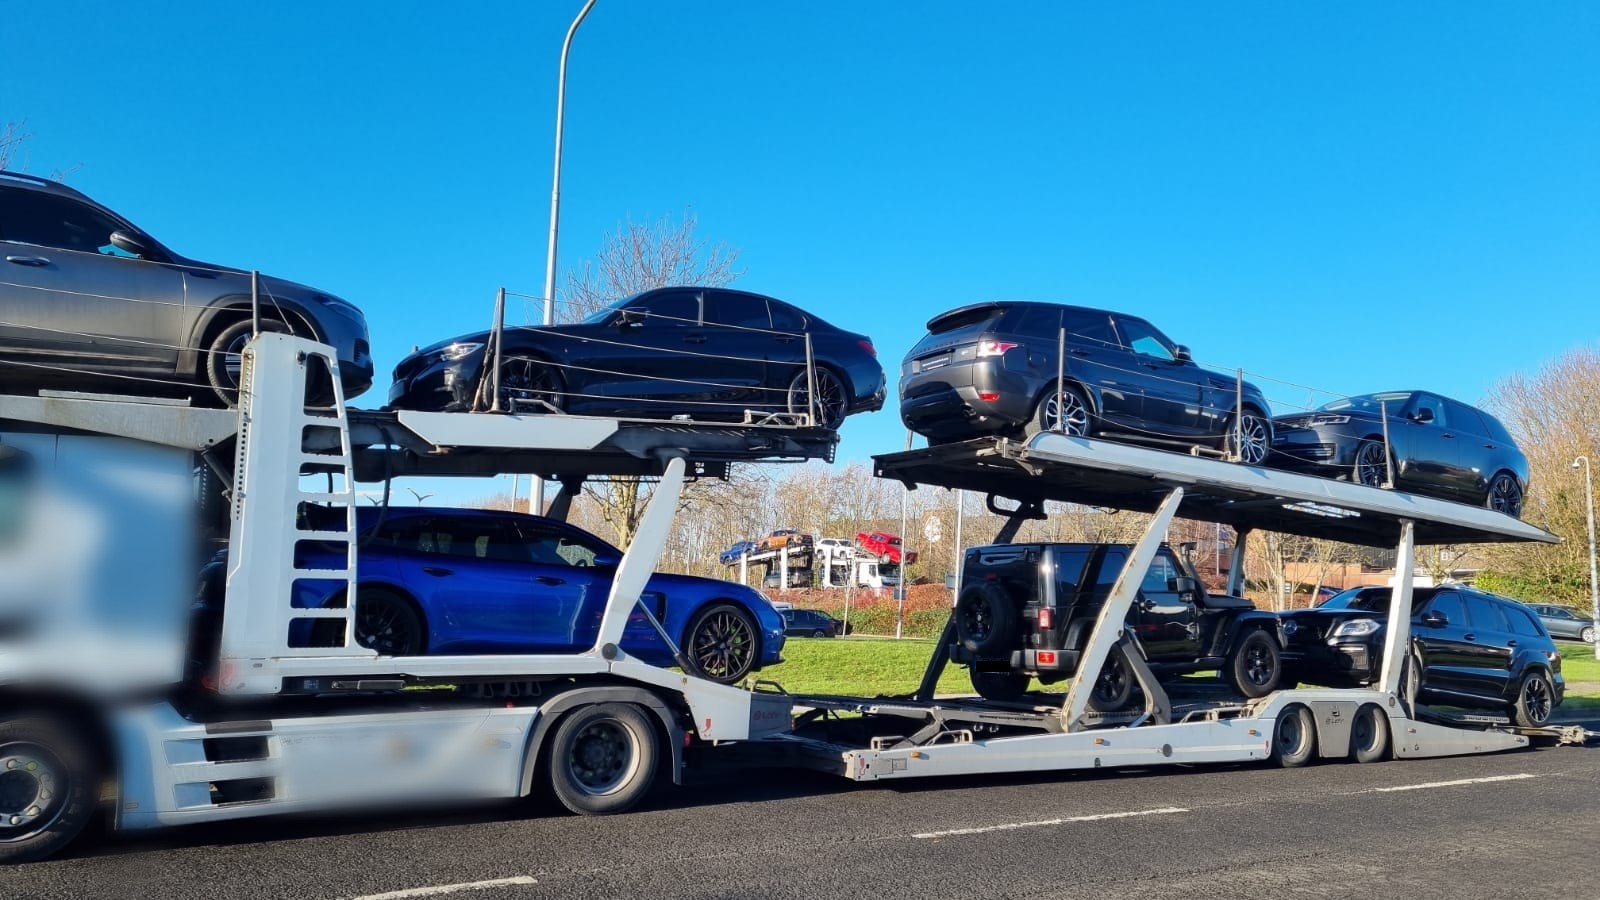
(784, 340)
(1470, 637)
(1447, 435)
(1078, 352)
(1511, 643)
(439, 571)
(550, 580)
(35, 261)
(694, 339)
(1488, 446)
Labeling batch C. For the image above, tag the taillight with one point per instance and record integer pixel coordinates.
(988, 396)
(991, 347)
(867, 346)
(1047, 657)
(1047, 618)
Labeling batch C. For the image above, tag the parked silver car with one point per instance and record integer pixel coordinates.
(89, 301)
(1563, 623)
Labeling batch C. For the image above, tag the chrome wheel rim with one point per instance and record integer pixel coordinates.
(724, 645)
(32, 791)
(603, 757)
(1372, 466)
(831, 403)
(1252, 440)
(1076, 421)
(1505, 496)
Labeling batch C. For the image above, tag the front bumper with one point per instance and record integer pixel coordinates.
(1313, 451)
(1333, 663)
(434, 384)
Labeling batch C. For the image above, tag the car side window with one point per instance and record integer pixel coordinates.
(1069, 574)
(1158, 578)
(1522, 621)
(1038, 321)
(1486, 614)
(485, 539)
(1091, 329)
(556, 547)
(30, 217)
(1464, 418)
(738, 310)
(1430, 403)
(1105, 578)
(1449, 605)
(786, 318)
(1142, 338)
(671, 309)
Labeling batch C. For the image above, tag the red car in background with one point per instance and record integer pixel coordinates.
(885, 546)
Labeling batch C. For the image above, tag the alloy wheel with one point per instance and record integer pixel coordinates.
(1112, 684)
(1505, 495)
(1251, 441)
(529, 386)
(1257, 665)
(385, 627)
(1536, 698)
(724, 645)
(831, 403)
(1069, 415)
(1372, 464)
(977, 619)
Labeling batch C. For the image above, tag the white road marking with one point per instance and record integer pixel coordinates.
(954, 832)
(1440, 784)
(443, 889)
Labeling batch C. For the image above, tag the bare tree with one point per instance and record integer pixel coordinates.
(12, 136)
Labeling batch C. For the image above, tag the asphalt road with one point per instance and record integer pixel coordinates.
(1518, 824)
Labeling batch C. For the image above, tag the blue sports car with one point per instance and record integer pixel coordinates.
(462, 581)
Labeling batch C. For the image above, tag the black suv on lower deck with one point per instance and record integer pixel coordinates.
(992, 368)
(1470, 648)
(1026, 610)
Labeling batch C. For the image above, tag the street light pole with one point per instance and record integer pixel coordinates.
(536, 484)
(1594, 578)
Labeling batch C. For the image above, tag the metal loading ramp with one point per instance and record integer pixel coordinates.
(1118, 476)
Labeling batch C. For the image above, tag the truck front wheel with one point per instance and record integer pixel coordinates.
(1255, 667)
(48, 788)
(603, 758)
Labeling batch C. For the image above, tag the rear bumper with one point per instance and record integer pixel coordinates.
(964, 399)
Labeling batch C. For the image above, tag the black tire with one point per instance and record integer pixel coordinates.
(1410, 687)
(1255, 666)
(1369, 735)
(1505, 495)
(388, 623)
(819, 633)
(1114, 688)
(833, 401)
(527, 385)
(1256, 431)
(722, 643)
(1294, 737)
(1371, 467)
(1536, 700)
(1079, 415)
(603, 758)
(986, 619)
(999, 686)
(223, 361)
(1587, 635)
(49, 784)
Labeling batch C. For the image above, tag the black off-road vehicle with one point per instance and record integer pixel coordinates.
(1026, 610)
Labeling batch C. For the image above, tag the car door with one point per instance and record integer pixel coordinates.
(1489, 641)
(657, 356)
(571, 574)
(1438, 632)
(746, 355)
(1168, 624)
(472, 578)
(69, 298)
(1428, 449)
(1096, 357)
(1171, 389)
(1475, 450)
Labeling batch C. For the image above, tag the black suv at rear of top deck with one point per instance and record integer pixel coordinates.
(1026, 611)
(991, 368)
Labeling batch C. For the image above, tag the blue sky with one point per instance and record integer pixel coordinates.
(1353, 196)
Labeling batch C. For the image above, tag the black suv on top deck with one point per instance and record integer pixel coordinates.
(1026, 610)
(88, 300)
(1475, 649)
(990, 368)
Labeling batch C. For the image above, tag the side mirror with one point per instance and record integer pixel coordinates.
(1180, 353)
(1422, 416)
(127, 243)
(632, 316)
(1434, 619)
(1184, 585)
(607, 560)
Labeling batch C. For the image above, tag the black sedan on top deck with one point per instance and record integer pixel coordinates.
(1438, 446)
(710, 353)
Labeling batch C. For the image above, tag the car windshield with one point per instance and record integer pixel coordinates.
(599, 316)
(1373, 599)
(1394, 400)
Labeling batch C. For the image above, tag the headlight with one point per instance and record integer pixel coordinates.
(343, 306)
(455, 352)
(1323, 419)
(1356, 628)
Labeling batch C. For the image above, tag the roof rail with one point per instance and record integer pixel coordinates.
(43, 182)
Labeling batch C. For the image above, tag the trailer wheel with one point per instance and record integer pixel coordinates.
(1000, 686)
(48, 788)
(603, 758)
(1369, 735)
(986, 618)
(1294, 737)
(1255, 667)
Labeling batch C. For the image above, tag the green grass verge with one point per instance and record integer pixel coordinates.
(862, 667)
(1578, 662)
